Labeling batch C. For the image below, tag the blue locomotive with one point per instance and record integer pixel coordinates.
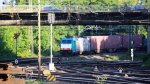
(74, 45)
(67, 45)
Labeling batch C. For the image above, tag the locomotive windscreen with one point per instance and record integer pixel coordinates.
(66, 41)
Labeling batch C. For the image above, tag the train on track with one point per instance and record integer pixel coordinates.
(99, 44)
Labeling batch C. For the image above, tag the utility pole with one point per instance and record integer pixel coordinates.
(78, 30)
(16, 35)
(131, 42)
(31, 40)
(31, 31)
(39, 40)
(78, 24)
(148, 40)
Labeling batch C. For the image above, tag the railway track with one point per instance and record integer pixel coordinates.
(34, 59)
(115, 76)
(59, 62)
(98, 62)
(74, 71)
(92, 77)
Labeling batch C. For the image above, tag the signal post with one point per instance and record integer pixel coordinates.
(51, 20)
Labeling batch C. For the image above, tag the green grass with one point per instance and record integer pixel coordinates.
(34, 82)
(111, 58)
(145, 58)
(75, 59)
(123, 56)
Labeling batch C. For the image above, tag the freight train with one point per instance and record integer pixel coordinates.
(100, 43)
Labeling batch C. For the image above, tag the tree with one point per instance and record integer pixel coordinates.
(8, 43)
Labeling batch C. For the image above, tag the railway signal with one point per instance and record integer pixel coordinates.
(120, 69)
(16, 61)
(16, 35)
(51, 20)
(132, 53)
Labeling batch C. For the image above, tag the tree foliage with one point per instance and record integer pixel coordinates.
(8, 43)
(80, 2)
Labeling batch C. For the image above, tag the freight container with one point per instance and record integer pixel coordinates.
(96, 43)
(137, 41)
(82, 45)
(112, 43)
(101, 43)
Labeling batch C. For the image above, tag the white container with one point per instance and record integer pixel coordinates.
(82, 45)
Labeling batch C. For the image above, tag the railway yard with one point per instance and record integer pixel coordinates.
(74, 42)
(77, 71)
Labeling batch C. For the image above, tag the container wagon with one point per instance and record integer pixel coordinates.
(98, 44)
(105, 43)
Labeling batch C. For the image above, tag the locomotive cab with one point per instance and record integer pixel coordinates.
(67, 45)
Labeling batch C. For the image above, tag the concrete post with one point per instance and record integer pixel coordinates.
(148, 40)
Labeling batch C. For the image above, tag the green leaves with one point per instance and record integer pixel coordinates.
(83, 2)
(7, 43)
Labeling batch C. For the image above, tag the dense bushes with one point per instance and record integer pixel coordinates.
(27, 44)
(24, 43)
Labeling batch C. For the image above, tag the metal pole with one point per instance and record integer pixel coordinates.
(137, 28)
(51, 56)
(129, 32)
(131, 42)
(31, 40)
(16, 48)
(148, 40)
(51, 20)
(78, 30)
(39, 40)
(16, 35)
(51, 64)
